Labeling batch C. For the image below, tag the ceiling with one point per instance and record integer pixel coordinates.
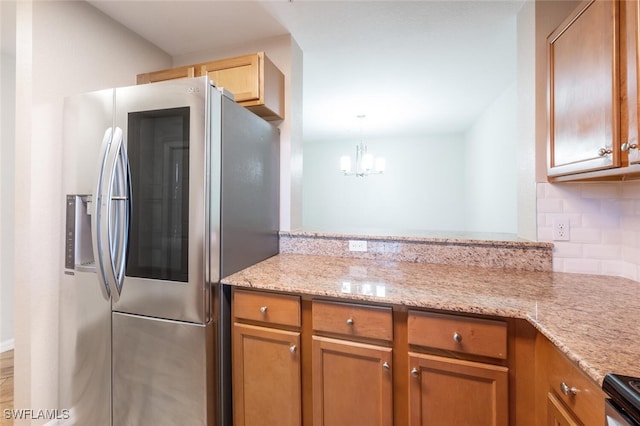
(411, 67)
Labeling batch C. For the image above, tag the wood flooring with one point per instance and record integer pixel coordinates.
(6, 386)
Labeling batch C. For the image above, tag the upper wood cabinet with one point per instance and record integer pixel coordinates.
(256, 83)
(584, 90)
(593, 93)
(170, 74)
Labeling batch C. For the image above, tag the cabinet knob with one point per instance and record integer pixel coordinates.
(350, 321)
(414, 372)
(293, 349)
(263, 309)
(386, 365)
(628, 146)
(602, 152)
(457, 337)
(568, 390)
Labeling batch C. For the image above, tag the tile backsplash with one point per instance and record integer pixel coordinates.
(604, 233)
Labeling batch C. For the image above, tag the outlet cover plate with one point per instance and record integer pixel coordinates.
(561, 229)
(357, 245)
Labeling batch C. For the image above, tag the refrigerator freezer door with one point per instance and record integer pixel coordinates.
(85, 351)
(161, 372)
(85, 309)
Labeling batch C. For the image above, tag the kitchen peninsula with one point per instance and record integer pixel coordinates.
(589, 319)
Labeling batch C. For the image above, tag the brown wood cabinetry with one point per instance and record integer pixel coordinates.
(352, 383)
(444, 389)
(300, 360)
(593, 93)
(584, 118)
(352, 372)
(170, 74)
(557, 414)
(266, 360)
(256, 83)
(565, 396)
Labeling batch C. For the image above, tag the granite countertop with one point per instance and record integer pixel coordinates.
(593, 319)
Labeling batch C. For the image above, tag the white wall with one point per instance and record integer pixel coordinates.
(63, 48)
(432, 183)
(491, 172)
(420, 189)
(7, 135)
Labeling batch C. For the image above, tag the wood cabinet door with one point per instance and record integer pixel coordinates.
(266, 376)
(449, 391)
(629, 59)
(557, 414)
(240, 75)
(170, 74)
(352, 383)
(583, 90)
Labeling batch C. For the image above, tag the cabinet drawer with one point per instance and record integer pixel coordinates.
(373, 322)
(572, 387)
(266, 307)
(457, 333)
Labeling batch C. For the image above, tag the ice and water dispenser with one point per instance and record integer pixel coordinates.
(78, 243)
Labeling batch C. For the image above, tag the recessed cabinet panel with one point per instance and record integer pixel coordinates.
(447, 391)
(557, 415)
(584, 121)
(238, 75)
(352, 383)
(266, 376)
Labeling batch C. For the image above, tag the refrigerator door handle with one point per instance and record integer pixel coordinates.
(123, 211)
(97, 237)
(116, 222)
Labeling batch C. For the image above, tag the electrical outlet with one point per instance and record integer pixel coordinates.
(357, 245)
(561, 229)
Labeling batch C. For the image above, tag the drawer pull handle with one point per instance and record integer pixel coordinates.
(628, 146)
(568, 390)
(350, 321)
(414, 372)
(263, 309)
(292, 349)
(386, 365)
(457, 337)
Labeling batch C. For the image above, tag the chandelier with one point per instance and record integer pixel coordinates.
(365, 164)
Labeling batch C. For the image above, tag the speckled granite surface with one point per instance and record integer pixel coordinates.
(464, 249)
(594, 320)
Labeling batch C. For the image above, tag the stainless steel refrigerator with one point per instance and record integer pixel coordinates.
(169, 187)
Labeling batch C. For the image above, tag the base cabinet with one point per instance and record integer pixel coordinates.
(352, 383)
(306, 361)
(266, 360)
(565, 396)
(449, 391)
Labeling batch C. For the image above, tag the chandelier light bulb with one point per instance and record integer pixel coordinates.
(365, 164)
